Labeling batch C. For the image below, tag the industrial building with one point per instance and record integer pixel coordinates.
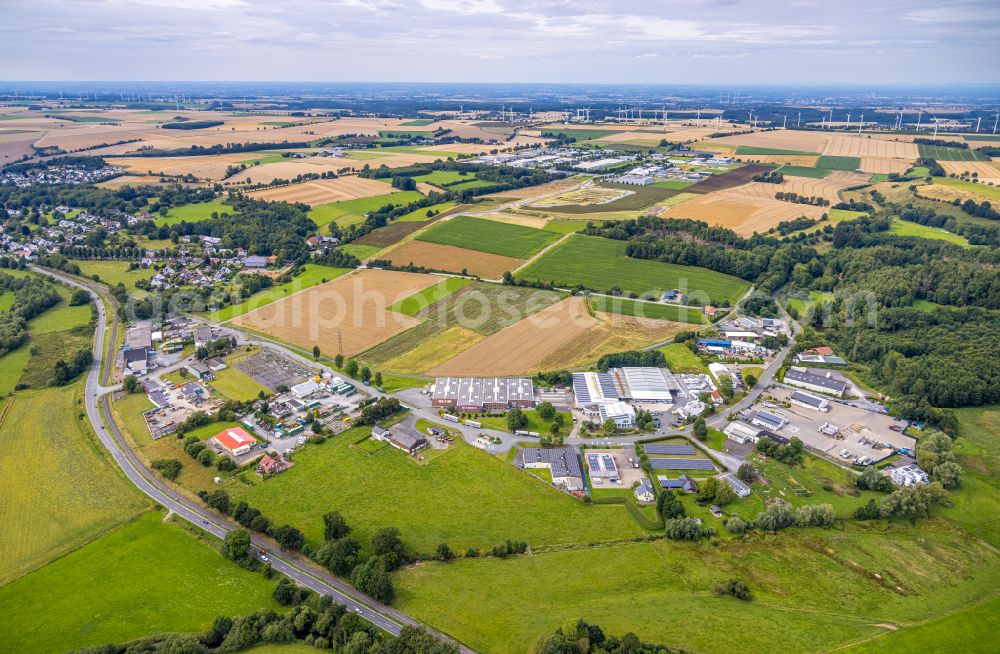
(600, 164)
(908, 475)
(562, 462)
(769, 420)
(478, 394)
(235, 440)
(622, 413)
(602, 466)
(820, 383)
(809, 401)
(740, 432)
(635, 385)
(139, 337)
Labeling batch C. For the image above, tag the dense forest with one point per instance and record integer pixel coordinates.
(32, 296)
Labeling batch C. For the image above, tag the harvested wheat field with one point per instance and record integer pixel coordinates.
(825, 187)
(777, 140)
(132, 180)
(523, 346)
(884, 165)
(325, 191)
(858, 146)
(206, 167)
(614, 333)
(352, 309)
(741, 212)
(949, 193)
(451, 258)
(524, 220)
(985, 170)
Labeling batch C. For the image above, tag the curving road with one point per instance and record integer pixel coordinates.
(302, 571)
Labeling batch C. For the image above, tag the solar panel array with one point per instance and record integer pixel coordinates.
(681, 464)
(654, 448)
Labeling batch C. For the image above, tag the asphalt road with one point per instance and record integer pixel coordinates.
(301, 571)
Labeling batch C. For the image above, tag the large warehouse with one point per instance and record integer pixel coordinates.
(478, 394)
(637, 385)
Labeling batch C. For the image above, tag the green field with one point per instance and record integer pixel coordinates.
(814, 589)
(113, 273)
(804, 171)
(62, 316)
(420, 300)
(746, 149)
(48, 348)
(444, 178)
(420, 122)
(362, 252)
(992, 192)
(681, 359)
(464, 497)
(942, 153)
(236, 385)
(352, 212)
(145, 578)
(6, 300)
(535, 423)
(579, 134)
(601, 264)
(193, 212)
(972, 631)
(648, 310)
(420, 215)
(12, 365)
(489, 236)
(673, 183)
(311, 276)
(906, 228)
(849, 164)
(977, 507)
(58, 487)
(565, 226)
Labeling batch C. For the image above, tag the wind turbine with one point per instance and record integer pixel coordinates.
(978, 121)
(798, 123)
(848, 120)
(919, 114)
(861, 124)
(995, 121)
(784, 121)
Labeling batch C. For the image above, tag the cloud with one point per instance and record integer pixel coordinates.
(648, 55)
(464, 7)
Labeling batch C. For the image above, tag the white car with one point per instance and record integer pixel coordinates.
(263, 557)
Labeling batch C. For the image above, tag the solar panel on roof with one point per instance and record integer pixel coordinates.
(681, 464)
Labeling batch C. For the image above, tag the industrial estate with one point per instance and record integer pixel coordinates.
(498, 371)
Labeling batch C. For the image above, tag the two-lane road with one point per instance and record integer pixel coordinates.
(301, 571)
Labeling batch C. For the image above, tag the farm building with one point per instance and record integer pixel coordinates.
(820, 383)
(235, 440)
(401, 440)
(602, 465)
(769, 420)
(741, 489)
(562, 462)
(644, 492)
(477, 394)
(809, 401)
(741, 432)
(683, 483)
(908, 475)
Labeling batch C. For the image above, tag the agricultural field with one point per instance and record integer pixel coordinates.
(969, 631)
(488, 236)
(943, 153)
(826, 186)
(481, 307)
(60, 490)
(435, 256)
(62, 316)
(578, 134)
(803, 171)
(632, 198)
(430, 504)
(731, 179)
(362, 252)
(144, 578)
(47, 349)
(311, 275)
(352, 212)
(325, 191)
(444, 178)
(747, 150)
(420, 215)
(971, 189)
(237, 385)
(652, 310)
(850, 164)
(434, 351)
(601, 264)
(421, 300)
(743, 213)
(857, 146)
(594, 194)
(985, 172)
(12, 365)
(352, 310)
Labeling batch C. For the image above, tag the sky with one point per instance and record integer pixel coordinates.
(859, 42)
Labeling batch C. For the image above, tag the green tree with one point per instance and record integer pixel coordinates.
(237, 544)
(131, 384)
(726, 386)
(289, 537)
(444, 552)
(335, 526)
(700, 429)
(387, 543)
(746, 473)
(338, 361)
(370, 579)
(352, 368)
(609, 426)
(366, 374)
(316, 352)
(378, 379)
(339, 556)
(949, 474)
(545, 411)
(516, 420)
(286, 592)
(670, 506)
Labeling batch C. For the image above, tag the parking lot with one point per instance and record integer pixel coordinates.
(854, 431)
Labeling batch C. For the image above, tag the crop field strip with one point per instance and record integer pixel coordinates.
(638, 197)
(942, 153)
(488, 236)
(728, 180)
(394, 232)
(849, 164)
(349, 212)
(654, 310)
(451, 259)
(600, 264)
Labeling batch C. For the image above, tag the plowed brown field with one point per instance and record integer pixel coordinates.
(451, 258)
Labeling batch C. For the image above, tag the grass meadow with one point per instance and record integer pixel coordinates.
(992, 192)
(237, 385)
(600, 264)
(489, 236)
(113, 273)
(59, 489)
(943, 153)
(850, 164)
(412, 305)
(648, 310)
(193, 212)
(906, 228)
(145, 578)
(465, 497)
(804, 171)
(62, 316)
